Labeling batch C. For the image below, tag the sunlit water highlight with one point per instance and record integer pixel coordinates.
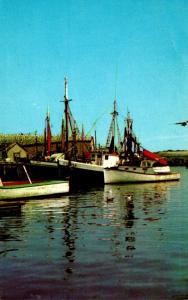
(114, 242)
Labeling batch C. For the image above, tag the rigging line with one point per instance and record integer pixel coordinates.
(95, 122)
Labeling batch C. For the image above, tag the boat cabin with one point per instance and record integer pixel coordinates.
(155, 165)
(105, 159)
(149, 163)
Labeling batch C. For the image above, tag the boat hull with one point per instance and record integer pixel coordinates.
(83, 173)
(123, 176)
(47, 170)
(79, 173)
(34, 190)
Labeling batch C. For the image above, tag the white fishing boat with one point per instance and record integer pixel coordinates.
(18, 190)
(137, 164)
(146, 172)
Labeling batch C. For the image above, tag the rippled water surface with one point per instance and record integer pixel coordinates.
(114, 242)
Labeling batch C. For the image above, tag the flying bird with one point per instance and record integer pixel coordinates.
(184, 123)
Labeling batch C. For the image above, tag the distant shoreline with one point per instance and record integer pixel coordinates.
(176, 158)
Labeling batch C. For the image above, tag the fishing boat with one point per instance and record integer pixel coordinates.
(92, 171)
(137, 164)
(23, 189)
(146, 172)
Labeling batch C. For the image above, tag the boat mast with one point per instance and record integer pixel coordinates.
(95, 141)
(128, 134)
(62, 136)
(129, 124)
(70, 123)
(112, 131)
(66, 101)
(47, 135)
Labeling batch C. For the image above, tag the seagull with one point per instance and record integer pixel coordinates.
(184, 123)
(129, 202)
(129, 197)
(110, 196)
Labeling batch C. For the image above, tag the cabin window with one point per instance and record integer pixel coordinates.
(99, 155)
(106, 157)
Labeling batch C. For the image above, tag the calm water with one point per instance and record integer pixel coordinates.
(116, 242)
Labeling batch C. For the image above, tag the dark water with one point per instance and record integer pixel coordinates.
(116, 242)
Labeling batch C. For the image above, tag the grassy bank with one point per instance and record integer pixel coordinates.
(24, 139)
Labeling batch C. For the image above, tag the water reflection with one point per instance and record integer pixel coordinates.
(60, 219)
(45, 204)
(135, 205)
(74, 244)
(10, 209)
(69, 236)
(10, 218)
(16, 216)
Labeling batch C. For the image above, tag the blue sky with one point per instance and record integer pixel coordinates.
(137, 49)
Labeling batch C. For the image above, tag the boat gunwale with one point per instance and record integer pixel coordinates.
(140, 173)
(30, 185)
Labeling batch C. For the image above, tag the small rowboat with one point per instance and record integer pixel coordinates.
(18, 190)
